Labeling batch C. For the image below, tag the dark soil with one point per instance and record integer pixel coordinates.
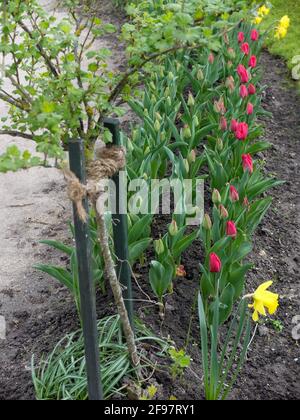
(273, 366)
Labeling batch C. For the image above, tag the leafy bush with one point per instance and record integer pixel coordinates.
(13, 160)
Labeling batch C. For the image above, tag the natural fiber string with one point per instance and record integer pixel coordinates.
(111, 160)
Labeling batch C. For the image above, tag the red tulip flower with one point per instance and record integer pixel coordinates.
(253, 61)
(245, 48)
(251, 89)
(241, 37)
(243, 73)
(231, 230)
(244, 91)
(242, 130)
(250, 108)
(248, 163)
(234, 125)
(211, 58)
(254, 35)
(215, 264)
(234, 195)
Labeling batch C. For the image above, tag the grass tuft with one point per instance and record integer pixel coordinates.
(61, 376)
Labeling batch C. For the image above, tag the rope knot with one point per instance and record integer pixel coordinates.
(110, 161)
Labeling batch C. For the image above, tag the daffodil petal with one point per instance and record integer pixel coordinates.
(263, 287)
(259, 307)
(255, 316)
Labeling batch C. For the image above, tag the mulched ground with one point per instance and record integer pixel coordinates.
(273, 366)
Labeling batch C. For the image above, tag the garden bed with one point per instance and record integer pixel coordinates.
(273, 361)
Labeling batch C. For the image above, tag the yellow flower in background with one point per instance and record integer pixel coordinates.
(282, 28)
(257, 20)
(263, 10)
(285, 22)
(281, 32)
(263, 299)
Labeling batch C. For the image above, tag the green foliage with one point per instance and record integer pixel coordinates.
(62, 375)
(13, 160)
(181, 361)
(222, 367)
(139, 241)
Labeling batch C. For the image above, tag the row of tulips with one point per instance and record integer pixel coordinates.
(236, 178)
(218, 133)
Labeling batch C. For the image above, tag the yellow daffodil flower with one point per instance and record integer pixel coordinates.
(285, 22)
(264, 299)
(281, 32)
(263, 10)
(282, 28)
(257, 20)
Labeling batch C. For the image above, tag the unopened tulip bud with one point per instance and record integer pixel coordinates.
(167, 91)
(220, 144)
(146, 113)
(231, 229)
(215, 263)
(211, 58)
(163, 136)
(219, 107)
(169, 101)
(230, 84)
(153, 99)
(223, 212)
(135, 135)
(229, 65)
(200, 75)
(157, 126)
(187, 134)
(231, 53)
(173, 228)
(207, 223)
(246, 202)
(192, 157)
(191, 100)
(196, 120)
(158, 116)
(159, 247)
(216, 197)
(234, 195)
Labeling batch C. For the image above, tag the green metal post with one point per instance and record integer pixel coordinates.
(86, 284)
(120, 227)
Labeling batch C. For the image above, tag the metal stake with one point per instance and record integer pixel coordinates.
(87, 289)
(120, 227)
